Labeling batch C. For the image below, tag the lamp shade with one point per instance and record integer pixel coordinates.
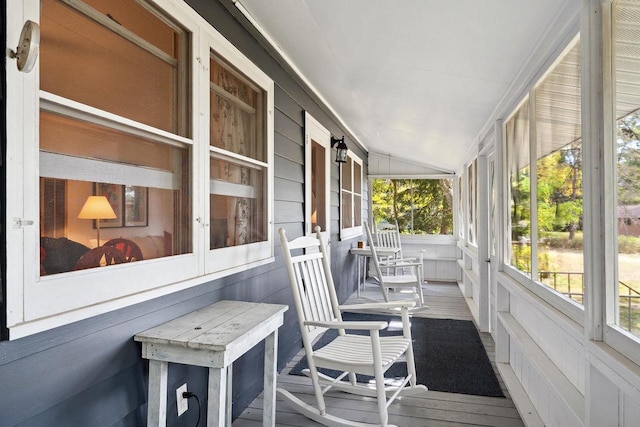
(97, 207)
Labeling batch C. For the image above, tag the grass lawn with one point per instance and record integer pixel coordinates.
(566, 260)
(571, 261)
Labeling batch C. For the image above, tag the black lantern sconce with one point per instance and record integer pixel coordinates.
(341, 149)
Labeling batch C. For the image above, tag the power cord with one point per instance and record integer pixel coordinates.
(188, 395)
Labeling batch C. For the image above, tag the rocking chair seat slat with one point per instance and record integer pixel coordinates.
(354, 353)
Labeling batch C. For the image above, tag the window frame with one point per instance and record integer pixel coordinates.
(612, 334)
(350, 232)
(570, 308)
(35, 303)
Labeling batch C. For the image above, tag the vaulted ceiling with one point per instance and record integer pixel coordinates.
(420, 80)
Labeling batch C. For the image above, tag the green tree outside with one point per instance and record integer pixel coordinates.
(420, 206)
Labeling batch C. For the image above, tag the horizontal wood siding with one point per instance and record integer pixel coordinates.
(91, 373)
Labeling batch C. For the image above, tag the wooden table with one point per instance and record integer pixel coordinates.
(364, 253)
(214, 337)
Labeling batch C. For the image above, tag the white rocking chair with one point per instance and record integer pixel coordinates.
(318, 310)
(405, 274)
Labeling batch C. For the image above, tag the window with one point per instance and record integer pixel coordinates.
(239, 150)
(519, 181)
(419, 206)
(317, 176)
(625, 288)
(115, 119)
(351, 197)
(545, 195)
(558, 190)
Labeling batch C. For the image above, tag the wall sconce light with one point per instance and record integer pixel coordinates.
(341, 149)
(97, 207)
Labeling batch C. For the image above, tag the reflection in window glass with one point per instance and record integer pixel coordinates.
(627, 106)
(519, 183)
(419, 206)
(559, 178)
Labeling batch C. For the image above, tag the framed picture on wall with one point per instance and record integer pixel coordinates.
(115, 196)
(136, 206)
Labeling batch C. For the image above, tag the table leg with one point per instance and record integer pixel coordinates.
(229, 399)
(157, 406)
(270, 372)
(217, 397)
(358, 282)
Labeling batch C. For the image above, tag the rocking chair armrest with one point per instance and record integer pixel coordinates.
(378, 305)
(370, 326)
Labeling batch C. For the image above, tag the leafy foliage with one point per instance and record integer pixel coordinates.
(420, 206)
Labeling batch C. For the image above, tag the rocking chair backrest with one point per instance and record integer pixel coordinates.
(311, 282)
(374, 255)
(388, 236)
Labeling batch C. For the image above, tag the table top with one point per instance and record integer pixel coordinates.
(217, 327)
(380, 250)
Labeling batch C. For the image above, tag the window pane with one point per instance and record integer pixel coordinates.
(357, 178)
(357, 210)
(118, 51)
(237, 112)
(63, 135)
(346, 175)
(517, 147)
(420, 206)
(238, 204)
(145, 183)
(626, 68)
(559, 178)
(347, 210)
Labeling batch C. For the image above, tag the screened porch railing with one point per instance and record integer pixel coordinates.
(571, 284)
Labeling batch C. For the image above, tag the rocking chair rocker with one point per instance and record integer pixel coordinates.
(318, 310)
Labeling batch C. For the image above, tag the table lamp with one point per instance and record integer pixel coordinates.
(97, 207)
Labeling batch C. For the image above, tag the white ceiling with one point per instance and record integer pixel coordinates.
(419, 78)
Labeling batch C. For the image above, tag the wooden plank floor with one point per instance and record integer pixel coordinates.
(437, 409)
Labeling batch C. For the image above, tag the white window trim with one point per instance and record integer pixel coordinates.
(248, 255)
(35, 303)
(348, 233)
(572, 309)
(318, 133)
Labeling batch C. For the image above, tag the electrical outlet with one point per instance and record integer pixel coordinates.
(182, 402)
